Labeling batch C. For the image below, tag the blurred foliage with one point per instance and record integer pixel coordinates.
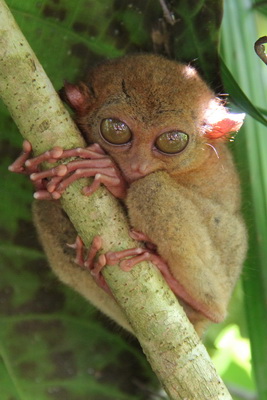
(260, 6)
(239, 98)
(53, 344)
(250, 151)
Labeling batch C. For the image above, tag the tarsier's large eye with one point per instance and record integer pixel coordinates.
(172, 142)
(115, 131)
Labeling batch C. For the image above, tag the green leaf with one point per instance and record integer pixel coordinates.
(238, 96)
(260, 6)
(15, 196)
(51, 344)
(250, 150)
(196, 35)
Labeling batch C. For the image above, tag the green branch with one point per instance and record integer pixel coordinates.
(168, 339)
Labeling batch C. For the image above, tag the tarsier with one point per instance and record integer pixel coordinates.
(156, 139)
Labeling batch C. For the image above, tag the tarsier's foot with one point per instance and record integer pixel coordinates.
(88, 261)
(137, 255)
(141, 237)
(95, 265)
(140, 254)
(51, 183)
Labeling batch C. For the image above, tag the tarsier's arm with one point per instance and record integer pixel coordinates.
(201, 239)
(164, 130)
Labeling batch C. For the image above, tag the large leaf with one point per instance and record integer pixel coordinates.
(196, 35)
(250, 73)
(260, 6)
(238, 96)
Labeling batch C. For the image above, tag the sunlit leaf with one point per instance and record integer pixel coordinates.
(260, 6)
(250, 73)
(238, 96)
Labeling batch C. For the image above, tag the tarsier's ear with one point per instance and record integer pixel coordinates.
(219, 122)
(78, 97)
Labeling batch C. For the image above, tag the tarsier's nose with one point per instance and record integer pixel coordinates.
(139, 169)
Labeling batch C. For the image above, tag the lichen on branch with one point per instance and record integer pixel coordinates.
(168, 339)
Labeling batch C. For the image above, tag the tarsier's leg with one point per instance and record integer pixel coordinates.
(137, 255)
(141, 237)
(51, 183)
(140, 254)
(88, 262)
(95, 265)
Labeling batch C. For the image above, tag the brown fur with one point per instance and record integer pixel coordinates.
(50, 219)
(187, 203)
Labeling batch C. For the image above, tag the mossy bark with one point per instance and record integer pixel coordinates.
(168, 339)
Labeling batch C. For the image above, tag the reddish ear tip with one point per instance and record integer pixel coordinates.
(219, 129)
(75, 96)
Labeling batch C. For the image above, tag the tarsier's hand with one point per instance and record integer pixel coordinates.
(51, 183)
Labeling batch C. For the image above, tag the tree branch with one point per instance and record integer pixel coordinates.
(168, 339)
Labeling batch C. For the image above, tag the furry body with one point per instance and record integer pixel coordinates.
(188, 203)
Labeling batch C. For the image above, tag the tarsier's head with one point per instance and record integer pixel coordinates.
(149, 114)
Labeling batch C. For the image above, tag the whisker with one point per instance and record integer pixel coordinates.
(213, 148)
